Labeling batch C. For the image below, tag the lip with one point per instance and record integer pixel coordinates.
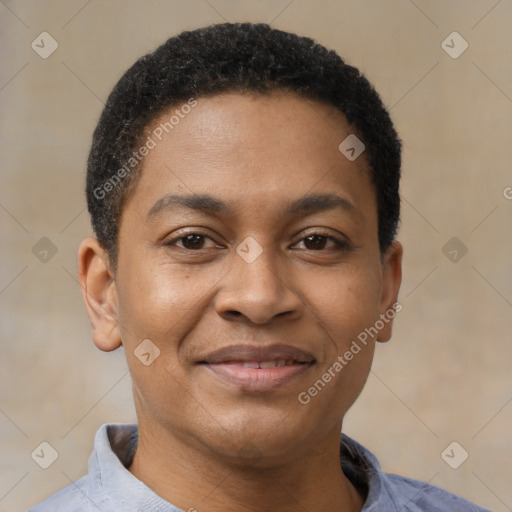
(228, 364)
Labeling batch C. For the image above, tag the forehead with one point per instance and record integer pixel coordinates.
(251, 148)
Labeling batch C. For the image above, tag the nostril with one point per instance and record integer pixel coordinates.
(234, 313)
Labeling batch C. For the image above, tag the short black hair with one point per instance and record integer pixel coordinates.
(234, 57)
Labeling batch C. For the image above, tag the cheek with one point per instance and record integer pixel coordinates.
(163, 304)
(346, 303)
(154, 301)
(346, 308)
(155, 312)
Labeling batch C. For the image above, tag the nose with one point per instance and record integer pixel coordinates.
(258, 291)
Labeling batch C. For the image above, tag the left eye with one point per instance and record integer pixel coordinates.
(317, 242)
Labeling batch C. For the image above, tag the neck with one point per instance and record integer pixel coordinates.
(195, 480)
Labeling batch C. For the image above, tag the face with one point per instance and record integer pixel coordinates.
(249, 257)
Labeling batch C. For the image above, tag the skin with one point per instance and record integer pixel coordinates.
(209, 444)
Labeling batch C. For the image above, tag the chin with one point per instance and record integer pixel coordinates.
(257, 442)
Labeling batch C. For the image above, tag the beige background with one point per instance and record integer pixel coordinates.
(446, 375)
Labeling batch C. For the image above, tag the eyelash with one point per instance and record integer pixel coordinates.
(340, 245)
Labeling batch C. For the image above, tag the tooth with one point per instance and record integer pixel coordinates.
(268, 364)
(280, 362)
(251, 365)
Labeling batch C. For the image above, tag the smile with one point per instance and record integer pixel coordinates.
(257, 368)
(277, 363)
(258, 376)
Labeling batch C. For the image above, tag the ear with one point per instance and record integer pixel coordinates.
(391, 281)
(99, 293)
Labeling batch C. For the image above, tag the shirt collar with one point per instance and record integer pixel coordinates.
(115, 445)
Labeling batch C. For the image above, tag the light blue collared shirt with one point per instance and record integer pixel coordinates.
(110, 487)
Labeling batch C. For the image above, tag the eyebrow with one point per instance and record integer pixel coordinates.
(311, 203)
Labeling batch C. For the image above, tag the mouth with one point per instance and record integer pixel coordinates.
(258, 368)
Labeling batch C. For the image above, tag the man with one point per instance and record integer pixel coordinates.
(243, 189)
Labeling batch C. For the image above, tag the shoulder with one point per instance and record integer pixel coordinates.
(387, 491)
(415, 496)
(70, 499)
(107, 481)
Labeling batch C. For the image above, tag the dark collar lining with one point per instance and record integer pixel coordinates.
(355, 466)
(123, 443)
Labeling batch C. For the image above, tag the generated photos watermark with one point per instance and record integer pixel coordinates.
(304, 397)
(151, 142)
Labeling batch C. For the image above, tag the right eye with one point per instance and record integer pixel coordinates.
(191, 241)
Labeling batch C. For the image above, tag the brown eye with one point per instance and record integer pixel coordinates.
(190, 241)
(319, 242)
(193, 241)
(315, 242)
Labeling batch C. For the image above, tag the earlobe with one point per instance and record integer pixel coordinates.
(391, 281)
(99, 294)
